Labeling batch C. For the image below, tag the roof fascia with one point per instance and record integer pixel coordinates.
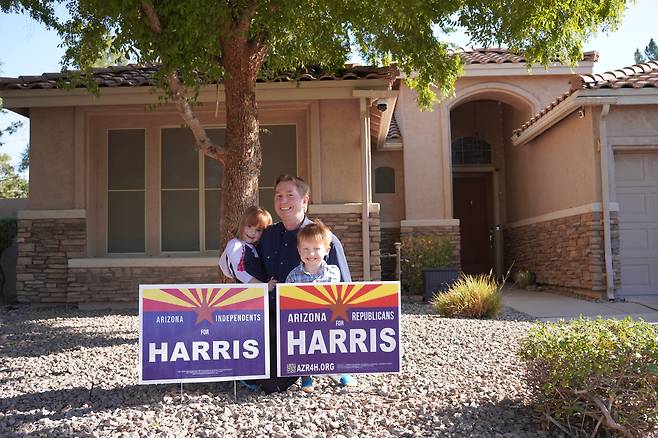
(308, 90)
(554, 116)
(520, 69)
(626, 96)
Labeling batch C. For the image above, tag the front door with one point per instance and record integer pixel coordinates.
(473, 206)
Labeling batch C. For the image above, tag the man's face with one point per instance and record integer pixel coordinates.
(288, 203)
(312, 252)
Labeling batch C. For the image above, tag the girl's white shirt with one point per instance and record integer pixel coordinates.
(231, 257)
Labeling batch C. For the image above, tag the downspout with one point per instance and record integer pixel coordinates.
(605, 200)
(365, 186)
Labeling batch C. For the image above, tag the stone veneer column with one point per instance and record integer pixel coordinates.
(449, 230)
(44, 247)
(566, 253)
(347, 227)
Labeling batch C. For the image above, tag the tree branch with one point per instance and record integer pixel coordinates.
(203, 142)
(152, 15)
(179, 95)
(609, 421)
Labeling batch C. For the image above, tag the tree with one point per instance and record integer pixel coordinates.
(650, 53)
(197, 42)
(11, 184)
(13, 127)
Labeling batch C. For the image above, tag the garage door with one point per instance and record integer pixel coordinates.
(636, 178)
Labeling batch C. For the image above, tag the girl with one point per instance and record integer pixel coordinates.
(240, 259)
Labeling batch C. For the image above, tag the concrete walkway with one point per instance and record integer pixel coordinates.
(547, 306)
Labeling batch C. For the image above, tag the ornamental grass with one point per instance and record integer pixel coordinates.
(472, 296)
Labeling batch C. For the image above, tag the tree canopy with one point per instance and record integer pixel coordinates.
(234, 42)
(650, 53)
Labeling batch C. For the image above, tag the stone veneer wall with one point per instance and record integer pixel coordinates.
(347, 226)
(449, 231)
(121, 285)
(389, 237)
(44, 247)
(566, 253)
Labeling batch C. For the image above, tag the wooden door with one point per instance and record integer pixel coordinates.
(473, 206)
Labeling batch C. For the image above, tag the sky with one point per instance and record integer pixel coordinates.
(27, 48)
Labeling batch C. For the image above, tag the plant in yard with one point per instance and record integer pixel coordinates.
(421, 252)
(590, 376)
(472, 296)
(524, 278)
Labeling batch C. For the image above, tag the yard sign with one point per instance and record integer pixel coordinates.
(338, 328)
(203, 332)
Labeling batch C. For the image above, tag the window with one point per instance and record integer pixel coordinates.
(470, 151)
(190, 184)
(384, 180)
(126, 191)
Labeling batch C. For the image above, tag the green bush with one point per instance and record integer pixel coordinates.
(472, 296)
(421, 252)
(594, 375)
(523, 278)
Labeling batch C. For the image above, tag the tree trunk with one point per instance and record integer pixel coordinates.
(241, 59)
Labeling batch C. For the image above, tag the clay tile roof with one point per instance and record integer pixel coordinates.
(393, 129)
(635, 76)
(504, 56)
(643, 75)
(133, 75)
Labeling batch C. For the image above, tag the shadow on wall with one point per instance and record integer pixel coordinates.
(10, 208)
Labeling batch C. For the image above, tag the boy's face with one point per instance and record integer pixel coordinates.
(312, 252)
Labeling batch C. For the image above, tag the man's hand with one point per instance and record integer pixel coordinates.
(271, 284)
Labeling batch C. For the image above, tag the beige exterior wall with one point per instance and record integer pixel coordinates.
(636, 121)
(423, 158)
(391, 204)
(556, 171)
(426, 134)
(52, 158)
(340, 151)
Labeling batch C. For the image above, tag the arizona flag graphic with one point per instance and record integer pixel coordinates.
(338, 328)
(203, 332)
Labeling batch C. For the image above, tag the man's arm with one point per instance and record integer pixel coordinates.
(337, 257)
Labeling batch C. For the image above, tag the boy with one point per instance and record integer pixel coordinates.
(313, 244)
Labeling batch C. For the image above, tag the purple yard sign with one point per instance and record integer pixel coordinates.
(203, 332)
(338, 328)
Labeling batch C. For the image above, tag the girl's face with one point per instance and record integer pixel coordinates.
(251, 233)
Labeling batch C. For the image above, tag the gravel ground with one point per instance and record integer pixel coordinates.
(73, 373)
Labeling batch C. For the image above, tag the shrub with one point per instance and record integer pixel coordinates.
(421, 252)
(523, 278)
(594, 375)
(472, 296)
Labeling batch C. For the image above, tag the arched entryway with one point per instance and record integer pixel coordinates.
(481, 126)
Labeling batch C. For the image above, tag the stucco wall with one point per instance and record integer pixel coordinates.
(340, 151)
(632, 121)
(555, 171)
(391, 204)
(52, 158)
(423, 158)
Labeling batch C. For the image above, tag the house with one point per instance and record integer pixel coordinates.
(509, 169)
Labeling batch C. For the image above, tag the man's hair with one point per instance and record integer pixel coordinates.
(302, 186)
(315, 231)
(253, 216)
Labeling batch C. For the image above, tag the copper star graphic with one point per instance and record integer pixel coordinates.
(339, 310)
(204, 312)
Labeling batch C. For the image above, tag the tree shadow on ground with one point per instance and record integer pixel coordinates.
(33, 336)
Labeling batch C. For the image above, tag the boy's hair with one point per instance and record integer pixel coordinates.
(253, 216)
(302, 187)
(315, 231)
